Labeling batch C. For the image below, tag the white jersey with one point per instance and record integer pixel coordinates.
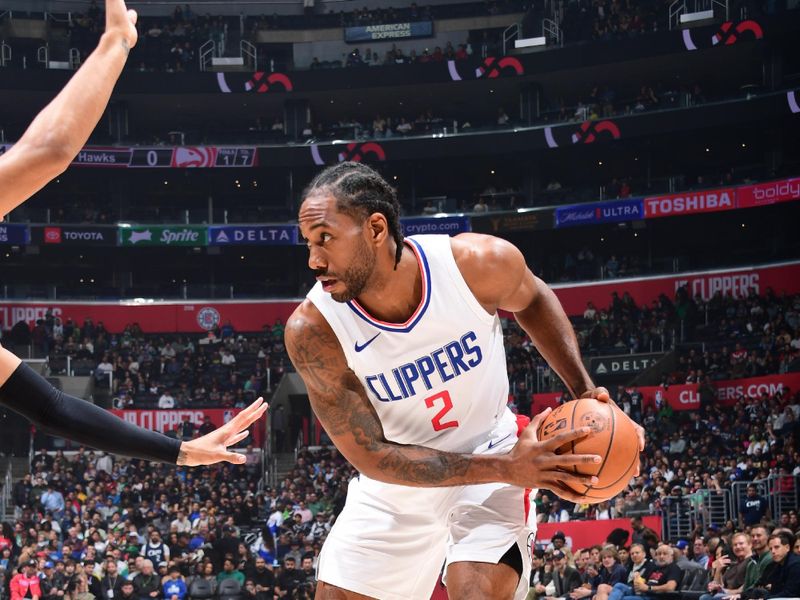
(439, 379)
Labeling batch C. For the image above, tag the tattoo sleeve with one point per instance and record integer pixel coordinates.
(341, 404)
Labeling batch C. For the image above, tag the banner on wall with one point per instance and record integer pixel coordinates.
(152, 317)
(252, 235)
(687, 396)
(509, 222)
(771, 192)
(164, 421)
(14, 233)
(448, 225)
(161, 235)
(74, 235)
(689, 203)
(623, 364)
(388, 31)
(583, 534)
(615, 211)
(781, 278)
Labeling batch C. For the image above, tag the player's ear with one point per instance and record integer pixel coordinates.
(378, 228)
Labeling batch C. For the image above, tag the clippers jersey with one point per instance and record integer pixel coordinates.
(439, 379)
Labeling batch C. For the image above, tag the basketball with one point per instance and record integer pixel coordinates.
(614, 439)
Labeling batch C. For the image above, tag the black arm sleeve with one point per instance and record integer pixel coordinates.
(59, 414)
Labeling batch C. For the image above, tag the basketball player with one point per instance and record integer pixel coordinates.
(45, 150)
(401, 349)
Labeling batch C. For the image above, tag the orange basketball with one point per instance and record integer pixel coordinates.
(614, 439)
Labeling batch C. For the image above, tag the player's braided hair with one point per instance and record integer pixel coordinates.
(360, 191)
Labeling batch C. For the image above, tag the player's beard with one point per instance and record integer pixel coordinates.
(356, 276)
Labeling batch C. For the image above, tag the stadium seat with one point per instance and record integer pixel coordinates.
(200, 589)
(229, 589)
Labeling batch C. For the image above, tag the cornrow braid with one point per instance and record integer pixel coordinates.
(360, 191)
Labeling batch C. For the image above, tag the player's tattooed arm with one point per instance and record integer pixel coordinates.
(342, 406)
(340, 403)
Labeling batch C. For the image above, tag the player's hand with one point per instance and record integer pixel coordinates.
(601, 394)
(535, 464)
(213, 447)
(120, 21)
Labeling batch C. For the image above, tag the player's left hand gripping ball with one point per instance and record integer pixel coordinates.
(601, 394)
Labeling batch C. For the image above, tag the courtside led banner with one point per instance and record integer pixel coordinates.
(161, 235)
(585, 534)
(200, 316)
(14, 234)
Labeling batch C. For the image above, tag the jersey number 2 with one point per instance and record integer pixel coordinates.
(436, 421)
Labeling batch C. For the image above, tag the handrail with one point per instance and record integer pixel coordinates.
(248, 50)
(5, 53)
(510, 33)
(43, 55)
(552, 31)
(74, 59)
(205, 53)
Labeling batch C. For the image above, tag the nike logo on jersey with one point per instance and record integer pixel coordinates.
(494, 443)
(360, 347)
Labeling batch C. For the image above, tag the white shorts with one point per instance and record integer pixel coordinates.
(391, 541)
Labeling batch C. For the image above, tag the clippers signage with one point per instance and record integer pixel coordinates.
(182, 157)
(14, 234)
(627, 364)
(600, 212)
(255, 235)
(160, 235)
(728, 392)
(782, 278)
(167, 420)
(75, 235)
(764, 194)
(354, 151)
(153, 316)
(588, 132)
(688, 203)
(389, 31)
(448, 225)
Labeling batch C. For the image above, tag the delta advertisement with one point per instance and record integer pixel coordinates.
(252, 235)
(187, 317)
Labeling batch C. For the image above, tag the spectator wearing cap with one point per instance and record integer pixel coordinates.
(174, 587)
(559, 542)
(320, 527)
(25, 584)
(664, 577)
(48, 584)
(566, 579)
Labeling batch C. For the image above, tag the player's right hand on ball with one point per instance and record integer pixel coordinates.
(122, 22)
(535, 464)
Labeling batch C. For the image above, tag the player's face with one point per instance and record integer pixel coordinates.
(339, 253)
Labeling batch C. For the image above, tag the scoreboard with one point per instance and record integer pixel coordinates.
(180, 157)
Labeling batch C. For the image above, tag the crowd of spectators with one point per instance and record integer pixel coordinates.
(223, 369)
(89, 526)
